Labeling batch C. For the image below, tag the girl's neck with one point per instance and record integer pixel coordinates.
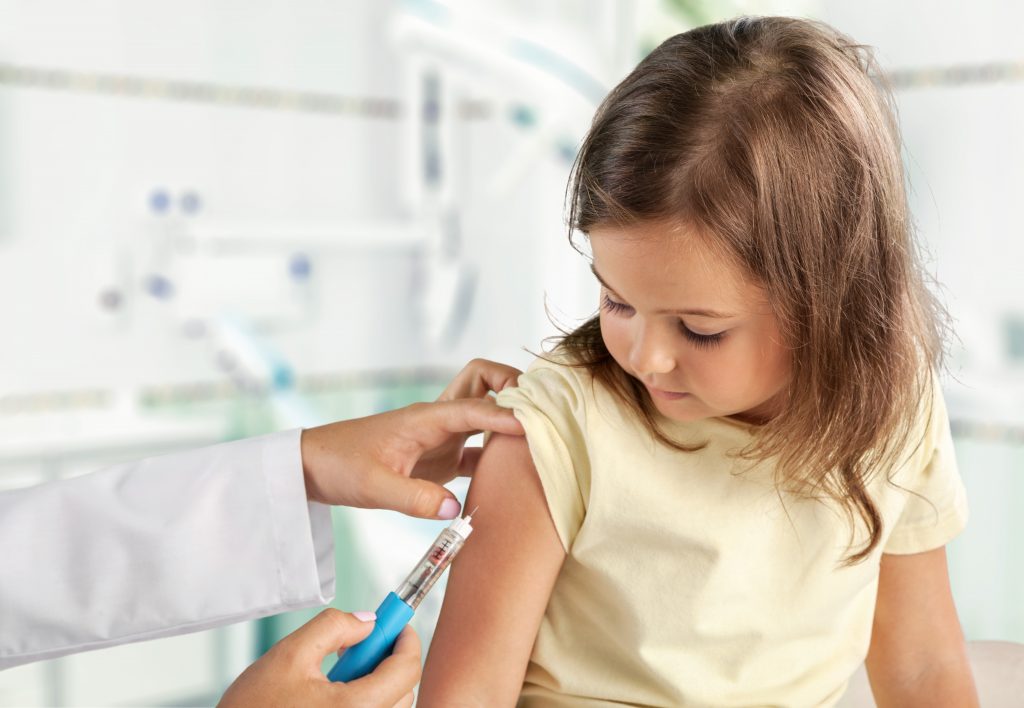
(762, 413)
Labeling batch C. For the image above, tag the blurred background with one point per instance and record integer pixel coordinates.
(220, 219)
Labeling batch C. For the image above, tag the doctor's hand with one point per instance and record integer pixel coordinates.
(289, 674)
(399, 459)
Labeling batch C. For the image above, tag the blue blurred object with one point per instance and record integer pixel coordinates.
(283, 377)
(159, 201)
(300, 266)
(159, 286)
(190, 203)
(523, 116)
(567, 150)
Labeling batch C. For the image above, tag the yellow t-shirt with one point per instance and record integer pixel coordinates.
(688, 583)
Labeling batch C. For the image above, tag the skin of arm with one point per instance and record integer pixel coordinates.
(498, 588)
(917, 655)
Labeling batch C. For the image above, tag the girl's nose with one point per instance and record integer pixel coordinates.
(651, 352)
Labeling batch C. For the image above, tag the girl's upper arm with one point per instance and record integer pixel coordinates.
(917, 654)
(498, 588)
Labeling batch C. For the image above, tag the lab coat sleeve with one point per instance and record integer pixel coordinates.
(159, 547)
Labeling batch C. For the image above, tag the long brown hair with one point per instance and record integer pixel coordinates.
(775, 138)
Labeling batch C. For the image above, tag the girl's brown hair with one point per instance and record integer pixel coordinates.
(772, 137)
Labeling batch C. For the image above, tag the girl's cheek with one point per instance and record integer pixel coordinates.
(611, 341)
(711, 369)
(699, 373)
(616, 339)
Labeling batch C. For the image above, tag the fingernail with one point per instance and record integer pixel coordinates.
(449, 509)
(365, 616)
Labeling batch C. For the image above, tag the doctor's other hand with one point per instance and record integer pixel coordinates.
(289, 674)
(399, 460)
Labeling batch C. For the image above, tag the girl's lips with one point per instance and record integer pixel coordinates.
(666, 395)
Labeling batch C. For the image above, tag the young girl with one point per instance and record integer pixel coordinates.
(739, 478)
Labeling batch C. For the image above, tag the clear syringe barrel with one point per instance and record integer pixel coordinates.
(434, 563)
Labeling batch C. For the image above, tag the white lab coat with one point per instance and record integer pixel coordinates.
(163, 546)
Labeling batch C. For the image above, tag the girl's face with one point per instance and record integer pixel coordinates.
(686, 322)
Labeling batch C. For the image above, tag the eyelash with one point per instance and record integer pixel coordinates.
(705, 341)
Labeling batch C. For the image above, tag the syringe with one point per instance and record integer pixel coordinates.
(399, 606)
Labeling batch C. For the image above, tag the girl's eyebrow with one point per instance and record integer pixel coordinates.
(695, 312)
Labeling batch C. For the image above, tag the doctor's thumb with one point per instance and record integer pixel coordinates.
(330, 631)
(414, 497)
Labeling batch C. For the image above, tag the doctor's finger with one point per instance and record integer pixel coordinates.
(326, 633)
(395, 677)
(466, 415)
(478, 377)
(413, 497)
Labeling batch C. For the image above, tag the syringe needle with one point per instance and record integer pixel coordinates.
(470, 514)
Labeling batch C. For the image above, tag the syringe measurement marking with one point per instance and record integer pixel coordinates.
(440, 551)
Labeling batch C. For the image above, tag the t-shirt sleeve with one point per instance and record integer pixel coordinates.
(936, 504)
(550, 402)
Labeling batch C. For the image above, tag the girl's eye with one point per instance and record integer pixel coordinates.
(620, 308)
(705, 341)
